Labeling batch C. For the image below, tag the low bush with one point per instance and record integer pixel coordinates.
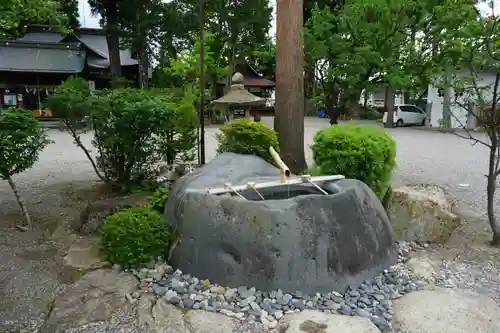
(243, 136)
(366, 153)
(22, 139)
(134, 236)
(137, 131)
(158, 200)
(370, 113)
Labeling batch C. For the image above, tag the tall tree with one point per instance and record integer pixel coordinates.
(110, 13)
(308, 6)
(263, 59)
(141, 23)
(16, 13)
(238, 26)
(470, 46)
(70, 9)
(289, 104)
(360, 47)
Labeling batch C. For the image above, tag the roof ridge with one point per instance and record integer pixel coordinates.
(47, 44)
(93, 49)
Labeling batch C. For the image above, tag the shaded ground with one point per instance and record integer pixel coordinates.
(31, 266)
(32, 270)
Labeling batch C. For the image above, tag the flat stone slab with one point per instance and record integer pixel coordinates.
(309, 321)
(96, 297)
(442, 310)
(156, 316)
(298, 239)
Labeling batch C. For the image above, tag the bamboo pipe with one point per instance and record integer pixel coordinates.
(284, 171)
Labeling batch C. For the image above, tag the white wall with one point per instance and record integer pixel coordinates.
(376, 100)
(460, 116)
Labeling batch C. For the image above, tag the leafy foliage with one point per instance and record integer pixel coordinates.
(21, 141)
(469, 52)
(68, 101)
(370, 113)
(136, 130)
(185, 67)
(158, 200)
(263, 58)
(366, 153)
(134, 236)
(243, 136)
(17, 13)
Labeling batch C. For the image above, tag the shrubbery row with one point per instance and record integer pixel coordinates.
(367, 153)
(135, 131)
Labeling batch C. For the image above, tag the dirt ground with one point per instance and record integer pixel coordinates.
(33, 270)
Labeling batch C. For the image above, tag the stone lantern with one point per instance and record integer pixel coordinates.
(238, 101)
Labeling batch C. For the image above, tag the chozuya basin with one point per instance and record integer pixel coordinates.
(276, 190)
(313, 234)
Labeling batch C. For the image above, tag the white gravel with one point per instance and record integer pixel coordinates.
(423, 157)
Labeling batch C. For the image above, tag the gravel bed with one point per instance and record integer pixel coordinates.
(373, 299)
(483, 277)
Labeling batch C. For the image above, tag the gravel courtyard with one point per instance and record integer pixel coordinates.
(423, 157)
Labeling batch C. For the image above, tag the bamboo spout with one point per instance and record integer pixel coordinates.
(284, 171)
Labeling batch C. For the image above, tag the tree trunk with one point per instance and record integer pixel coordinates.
(332, 108)
(231, 66)
(491, 188)
(143, 62)
(80, 144)
(113, 40)
(389, 106)
(447, 101)
(20, 201)
(289, 105)
(308, 83)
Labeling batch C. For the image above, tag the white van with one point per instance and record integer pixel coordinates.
(406, 114)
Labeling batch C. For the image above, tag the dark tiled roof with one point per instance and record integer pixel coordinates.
(99, 45)
(93, 39)
(257, 82)
(42, 37)
(22, 56)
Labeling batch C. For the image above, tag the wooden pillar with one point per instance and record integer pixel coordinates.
(289, 102)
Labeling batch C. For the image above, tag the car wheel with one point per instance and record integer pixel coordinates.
(399, 123)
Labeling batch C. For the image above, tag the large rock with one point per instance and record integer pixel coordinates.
(96, 297)
(84, 253)
(313, 243)
(443, 310)
(309, 321)
(423, 214)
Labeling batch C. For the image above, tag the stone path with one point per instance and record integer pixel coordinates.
(109, 300)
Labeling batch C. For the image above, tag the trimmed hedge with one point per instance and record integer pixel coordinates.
(366, 153)
(243, 136)
(134, 236)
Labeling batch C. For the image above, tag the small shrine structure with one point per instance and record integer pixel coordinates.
(237, 102)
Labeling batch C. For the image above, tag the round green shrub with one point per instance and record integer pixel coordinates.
(134, 236)
(366, 153)
(243, 136)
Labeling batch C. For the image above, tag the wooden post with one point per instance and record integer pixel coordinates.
(289, 102)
